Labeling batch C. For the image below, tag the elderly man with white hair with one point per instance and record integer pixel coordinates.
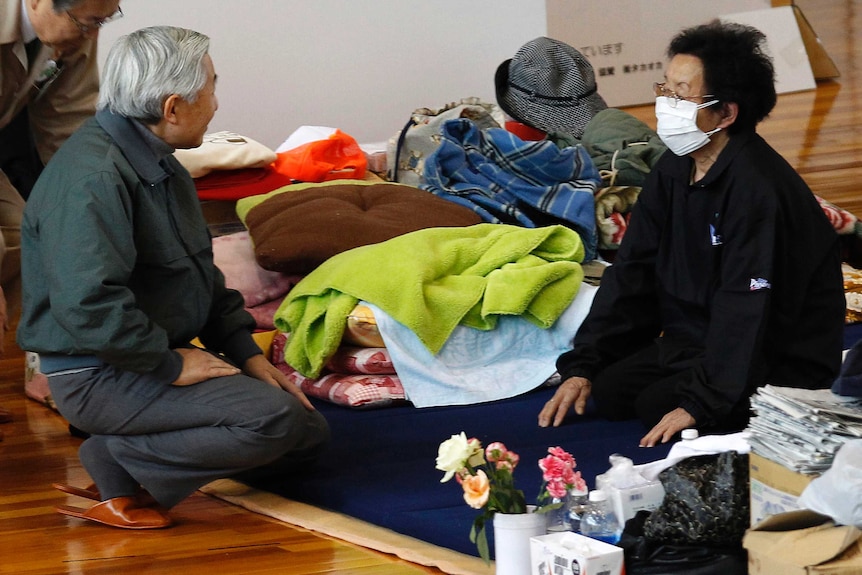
(119, 277)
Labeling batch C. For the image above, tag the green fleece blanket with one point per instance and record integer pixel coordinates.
(430, 281)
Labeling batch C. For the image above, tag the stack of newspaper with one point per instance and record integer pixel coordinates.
(802, 429)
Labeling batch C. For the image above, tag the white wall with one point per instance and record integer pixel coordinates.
(358, 65)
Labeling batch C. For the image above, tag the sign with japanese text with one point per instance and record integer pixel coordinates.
(626, 40)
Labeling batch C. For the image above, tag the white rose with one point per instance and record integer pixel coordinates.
(455, 452)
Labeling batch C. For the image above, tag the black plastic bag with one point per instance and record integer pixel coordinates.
(644, 557)
(706, 502)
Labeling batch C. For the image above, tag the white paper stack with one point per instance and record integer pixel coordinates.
(802, 429)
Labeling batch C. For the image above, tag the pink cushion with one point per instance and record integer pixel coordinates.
(234, 256)
(264, 314)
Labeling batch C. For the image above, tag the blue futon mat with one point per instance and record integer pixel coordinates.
(380, 465)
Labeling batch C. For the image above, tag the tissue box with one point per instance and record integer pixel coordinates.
(569, 553)
(627, 502)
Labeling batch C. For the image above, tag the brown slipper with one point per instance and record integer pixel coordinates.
(143, 498)
(121, 512)
(89, 492)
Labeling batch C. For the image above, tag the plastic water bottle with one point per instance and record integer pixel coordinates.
(689, 434)
(578, 503)
(599, 521)
(558, 519)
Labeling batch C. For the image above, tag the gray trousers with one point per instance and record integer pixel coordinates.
(172, 440)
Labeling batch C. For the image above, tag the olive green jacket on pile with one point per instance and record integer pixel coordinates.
(623, 148)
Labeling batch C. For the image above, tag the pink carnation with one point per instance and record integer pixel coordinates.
(510, 462)
(553, 468)
(557, 488)
(562, 455)
(558, 472)
(495, 452)
(580, 484)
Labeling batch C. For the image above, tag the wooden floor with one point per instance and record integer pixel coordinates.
(819, 132)
(211, 537)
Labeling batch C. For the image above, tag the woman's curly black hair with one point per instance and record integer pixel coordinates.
(736, 67)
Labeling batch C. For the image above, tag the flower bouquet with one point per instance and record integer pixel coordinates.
(487, 478)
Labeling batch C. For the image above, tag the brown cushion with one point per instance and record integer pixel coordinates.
(295, 231)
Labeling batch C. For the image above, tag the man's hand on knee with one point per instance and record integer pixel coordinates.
(259, 367)
(200, 365)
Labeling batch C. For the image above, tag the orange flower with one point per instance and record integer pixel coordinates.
(477, 488)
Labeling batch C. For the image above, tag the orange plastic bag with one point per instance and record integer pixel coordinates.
(335, 158)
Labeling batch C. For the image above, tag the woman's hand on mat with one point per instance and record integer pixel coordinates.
(671, 424)
(573, 392)
(258, 367)
(200, 365)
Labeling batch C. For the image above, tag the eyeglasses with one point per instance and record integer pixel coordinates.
(95, 24)
(661, 89)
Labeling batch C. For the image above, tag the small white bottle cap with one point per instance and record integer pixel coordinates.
(689, 433)
(579, 492)
(598, 495)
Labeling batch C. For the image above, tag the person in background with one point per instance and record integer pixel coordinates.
(49, 83)
(729, 276)
(118, 271)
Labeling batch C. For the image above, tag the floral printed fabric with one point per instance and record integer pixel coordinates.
(358, 377)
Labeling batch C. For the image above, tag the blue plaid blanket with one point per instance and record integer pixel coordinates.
(507, 180)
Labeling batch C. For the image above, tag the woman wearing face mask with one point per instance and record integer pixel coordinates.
(729, 275)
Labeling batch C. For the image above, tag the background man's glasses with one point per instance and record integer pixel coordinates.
(85, 27)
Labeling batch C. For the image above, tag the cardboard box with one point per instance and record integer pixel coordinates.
(774, 488)
(570, 553)
(626, 40)
(793, 72)
(803, 543)
(822, 64)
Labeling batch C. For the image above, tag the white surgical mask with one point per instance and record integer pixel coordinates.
(677, 125)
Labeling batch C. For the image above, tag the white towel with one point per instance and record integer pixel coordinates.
(476, 366)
